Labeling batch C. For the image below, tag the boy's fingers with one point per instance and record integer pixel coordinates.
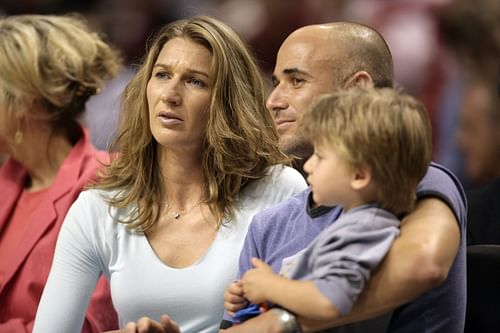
(256, 262)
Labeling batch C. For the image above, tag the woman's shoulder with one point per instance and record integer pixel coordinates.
(279, 183)
(282, 174)
(96, 197)
(279, 177)
(97, 201)
(93, 208)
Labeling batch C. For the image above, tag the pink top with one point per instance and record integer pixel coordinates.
(29, 226)
(13, 233)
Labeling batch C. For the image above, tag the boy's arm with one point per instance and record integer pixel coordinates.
(234, 299)
(301, 297)
(419, 260)
(233, 296)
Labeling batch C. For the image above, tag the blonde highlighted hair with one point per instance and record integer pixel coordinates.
(385, 130)
(56, 61)
(240, 143)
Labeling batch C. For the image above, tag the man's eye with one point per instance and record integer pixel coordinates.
(275, 82)
(297, 81)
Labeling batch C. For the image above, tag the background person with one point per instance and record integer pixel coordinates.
(49, 68)
(472, 33)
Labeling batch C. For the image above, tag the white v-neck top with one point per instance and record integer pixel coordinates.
(92, 243)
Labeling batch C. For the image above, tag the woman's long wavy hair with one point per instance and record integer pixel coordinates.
(240, 142)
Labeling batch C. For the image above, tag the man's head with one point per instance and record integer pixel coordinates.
(319, 59)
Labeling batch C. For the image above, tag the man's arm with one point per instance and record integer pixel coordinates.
(266, 322)
(419, 260)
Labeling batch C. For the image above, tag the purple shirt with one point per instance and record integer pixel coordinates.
(283, 230)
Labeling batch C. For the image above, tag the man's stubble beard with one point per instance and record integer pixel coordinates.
(299, 149)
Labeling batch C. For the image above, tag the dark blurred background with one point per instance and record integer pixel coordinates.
(424, 64)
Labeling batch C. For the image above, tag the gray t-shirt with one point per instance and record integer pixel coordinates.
(339, 261)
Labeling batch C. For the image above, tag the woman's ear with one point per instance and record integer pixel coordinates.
(359, 79)
(362, 177)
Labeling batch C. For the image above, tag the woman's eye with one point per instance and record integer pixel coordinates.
(161, 75)
(197, 83)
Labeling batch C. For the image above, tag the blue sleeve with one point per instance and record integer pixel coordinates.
(441, 183)
(248, 251)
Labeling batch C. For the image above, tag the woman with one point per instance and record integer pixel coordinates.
(49, 67)
(198, 158)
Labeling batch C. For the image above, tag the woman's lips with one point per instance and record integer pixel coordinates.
(169, 119)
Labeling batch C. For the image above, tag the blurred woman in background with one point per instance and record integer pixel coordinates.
(49, 68)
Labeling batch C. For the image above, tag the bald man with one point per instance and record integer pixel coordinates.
(320, 59)
(422, 280)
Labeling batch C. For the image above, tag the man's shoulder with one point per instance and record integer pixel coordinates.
(441, 183)
(440, 178)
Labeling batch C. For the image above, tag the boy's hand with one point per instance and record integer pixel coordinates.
(233, 298)
(257, 281)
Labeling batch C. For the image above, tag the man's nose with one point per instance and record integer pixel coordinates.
(276, 100)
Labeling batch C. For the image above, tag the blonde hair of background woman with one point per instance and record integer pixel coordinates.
(56, 62)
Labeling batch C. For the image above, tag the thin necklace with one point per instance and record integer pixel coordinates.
(176, 214)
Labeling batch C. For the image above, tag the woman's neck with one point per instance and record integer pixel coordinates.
(183, 179)
(42, 154)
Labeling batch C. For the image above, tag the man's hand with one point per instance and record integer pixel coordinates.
(233, 298)
(257, 281)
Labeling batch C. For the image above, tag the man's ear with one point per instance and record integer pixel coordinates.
(362, 177)
(359, 79)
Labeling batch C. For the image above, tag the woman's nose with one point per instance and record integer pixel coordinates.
(171, 94)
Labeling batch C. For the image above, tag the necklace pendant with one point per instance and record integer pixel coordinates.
(176, 215)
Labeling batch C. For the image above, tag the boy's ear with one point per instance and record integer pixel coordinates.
(359, 79)
(361, 178)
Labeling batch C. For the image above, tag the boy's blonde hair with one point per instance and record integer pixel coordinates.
(385, 130)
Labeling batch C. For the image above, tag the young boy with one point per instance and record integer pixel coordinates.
(372, 147)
